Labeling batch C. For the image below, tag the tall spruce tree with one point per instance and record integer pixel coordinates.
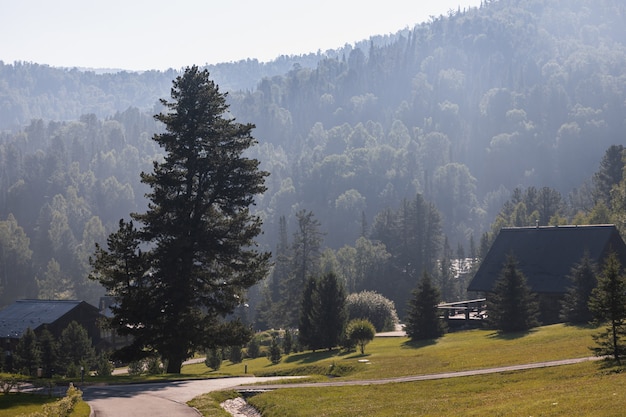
(330, 313)
(323, 314)
(422, 317)
(575, 304)
(307, 329)
(198, 229)
(305, 258)
(608, 305)
(511, 307)
(27, 355)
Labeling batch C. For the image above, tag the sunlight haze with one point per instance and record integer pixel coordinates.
(143, 35)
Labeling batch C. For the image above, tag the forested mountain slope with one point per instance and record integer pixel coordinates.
(460, 110)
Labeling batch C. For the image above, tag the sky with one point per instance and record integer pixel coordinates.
(158, 34)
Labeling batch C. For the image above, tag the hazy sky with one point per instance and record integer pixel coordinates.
(159, 34)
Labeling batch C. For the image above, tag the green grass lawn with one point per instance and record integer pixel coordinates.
(583, 389)
(396, 356)
(17, 404)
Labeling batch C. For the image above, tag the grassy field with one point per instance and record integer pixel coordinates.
(14, 404)
(396, 356)
(583, 389)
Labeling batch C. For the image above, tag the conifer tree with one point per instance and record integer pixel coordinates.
(511, 307)
(329, 311)
(49, 352)
(27, 355)
(608, 305)
(198, 228)
(422, 320)
(75, 347)
(305, 257)
(307, 330)
(323, 316)
(575, 305)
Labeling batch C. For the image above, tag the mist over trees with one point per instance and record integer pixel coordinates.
(399, 147)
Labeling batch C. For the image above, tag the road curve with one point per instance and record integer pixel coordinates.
(164, 399)
(168, 399)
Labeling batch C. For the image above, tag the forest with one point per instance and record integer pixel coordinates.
(400, 154)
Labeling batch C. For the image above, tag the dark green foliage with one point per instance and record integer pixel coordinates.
(575, 305)
(213, 358)
(253, 349)
(274, 354)
(360, 332)
(235, 354)
(27, 354)
(104, 367)
(329, 311)
(199, 229)
(308, 331)
(49, 352)
(287, 342)
(422, 318)
(511, 307)
(608, 305)
(375, 308)
(75, 349)
(323, 317)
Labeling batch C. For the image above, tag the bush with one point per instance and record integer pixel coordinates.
(154, 366)
(235, 355)
(63, 407)
(104, 367)
(287, 342)
(135, 368)
(213, 358)
(360, 333)
(370, 305)
(274, 352)
(254, 348)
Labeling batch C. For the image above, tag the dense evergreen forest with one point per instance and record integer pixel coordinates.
(400, 153)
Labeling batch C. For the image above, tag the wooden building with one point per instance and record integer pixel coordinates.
(55, 315)
(546, 255)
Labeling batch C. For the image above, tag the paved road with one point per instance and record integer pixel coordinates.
(169, 399)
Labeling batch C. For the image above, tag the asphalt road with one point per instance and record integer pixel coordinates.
(169, 399)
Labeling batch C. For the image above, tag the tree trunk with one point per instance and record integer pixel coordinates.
(174, 365)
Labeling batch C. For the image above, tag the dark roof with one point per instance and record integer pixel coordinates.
(546, 255)
(22, 314)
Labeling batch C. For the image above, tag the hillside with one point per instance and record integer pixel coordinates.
(459, 111)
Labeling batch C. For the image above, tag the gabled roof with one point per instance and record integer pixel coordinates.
(546, 255)
(22, 314)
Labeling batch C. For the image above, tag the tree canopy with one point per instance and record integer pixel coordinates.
(193, 257)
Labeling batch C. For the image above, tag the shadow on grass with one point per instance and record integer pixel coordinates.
(510, 335)
(416, 344)
(311, 357)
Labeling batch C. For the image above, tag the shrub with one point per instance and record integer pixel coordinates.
(287, 342)
(274, 352)
(360, 332)
(135, 368)
(254, 349)
(213, 358)
(104, 367)
(63, 407)
(235, 355)
(153, 366)
(370, 305)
